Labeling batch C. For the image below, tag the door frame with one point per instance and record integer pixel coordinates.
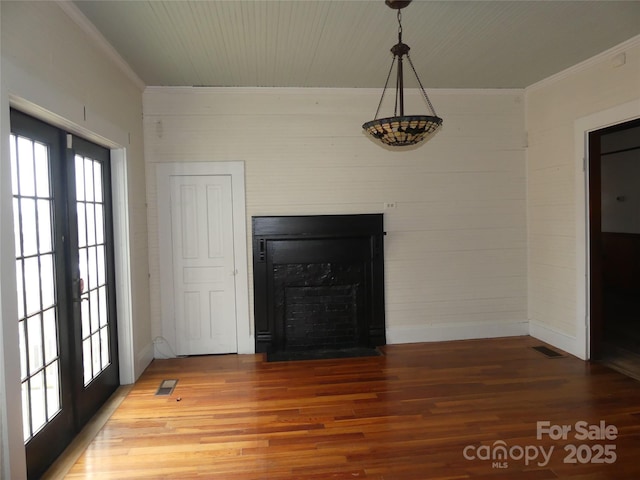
(116, 140)
(164, 172)
(130, 366)
(581, 346)
(596, 265)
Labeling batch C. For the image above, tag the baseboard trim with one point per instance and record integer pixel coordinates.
(558, 339)
(143, 359)
(465, 331)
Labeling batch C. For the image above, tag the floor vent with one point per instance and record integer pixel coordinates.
(166, 387)
(549, 353)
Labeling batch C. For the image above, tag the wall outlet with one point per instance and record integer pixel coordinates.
(388, 205)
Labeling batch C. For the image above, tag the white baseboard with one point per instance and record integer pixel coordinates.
(442, 332)
(143, 359)
(558, 339)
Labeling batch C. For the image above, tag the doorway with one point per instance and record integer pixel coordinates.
(66, 284)
(614, 212)
(203, 276)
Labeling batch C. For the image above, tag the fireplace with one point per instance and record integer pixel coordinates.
(318, 282)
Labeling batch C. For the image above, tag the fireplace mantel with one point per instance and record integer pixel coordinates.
(318, 282)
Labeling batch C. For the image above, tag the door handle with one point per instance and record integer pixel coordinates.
(82, 298)
(81, 295)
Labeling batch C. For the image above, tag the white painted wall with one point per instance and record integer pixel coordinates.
(455, 253)
(53, 68)
(603, 91)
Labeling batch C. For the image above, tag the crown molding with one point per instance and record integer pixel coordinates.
(90, 29)
(327, 90)
(607, 54)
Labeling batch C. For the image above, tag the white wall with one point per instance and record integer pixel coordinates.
(52, 68)
(560, 110)
(455, 255)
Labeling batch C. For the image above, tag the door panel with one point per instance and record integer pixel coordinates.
(39, 223)
(93, 281)
(63, 384)
(203, 264)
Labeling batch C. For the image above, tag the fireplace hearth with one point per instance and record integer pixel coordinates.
(318, 284)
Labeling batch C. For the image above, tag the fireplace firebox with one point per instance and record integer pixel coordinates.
(318, 282)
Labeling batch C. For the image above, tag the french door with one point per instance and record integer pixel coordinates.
(65, 284)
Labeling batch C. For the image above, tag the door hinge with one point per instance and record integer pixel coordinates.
(69, 141)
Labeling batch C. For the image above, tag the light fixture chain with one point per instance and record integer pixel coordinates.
(385, 87)
(426, 97)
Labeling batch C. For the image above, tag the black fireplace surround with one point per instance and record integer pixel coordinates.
(318, 282)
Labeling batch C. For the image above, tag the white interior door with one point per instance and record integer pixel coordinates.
(203, 264)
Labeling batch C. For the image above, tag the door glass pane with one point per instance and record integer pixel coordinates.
(53, 389)
(99, 224)
(84, 307)
(26, 414)
(44, 226)
(20, 287)
(100, 259)
(26, 178)
(29, 238)
(88, 179)
(16, 227)
(104, 352)
(92, 264)
(35, 278)
(50, 328)
(103, 306)
(91, 225)
(36, 348)
(24, 367)
(82, 266)
(32, 280)
(79, 178)
(97, 182)
(82, 226)
(95, 313)
(38, 403)
(86, 354)
(41, 156)
(14, 164)
(95, 352)
(47, 276)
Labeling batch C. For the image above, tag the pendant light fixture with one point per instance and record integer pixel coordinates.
(401, 129)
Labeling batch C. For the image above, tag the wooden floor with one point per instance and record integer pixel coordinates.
(422, 411)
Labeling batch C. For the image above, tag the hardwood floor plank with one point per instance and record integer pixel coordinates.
(421, 411)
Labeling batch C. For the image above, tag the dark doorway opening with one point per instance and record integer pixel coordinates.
(614, 211)
(318, 285)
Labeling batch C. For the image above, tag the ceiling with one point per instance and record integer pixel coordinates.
(337, 43)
